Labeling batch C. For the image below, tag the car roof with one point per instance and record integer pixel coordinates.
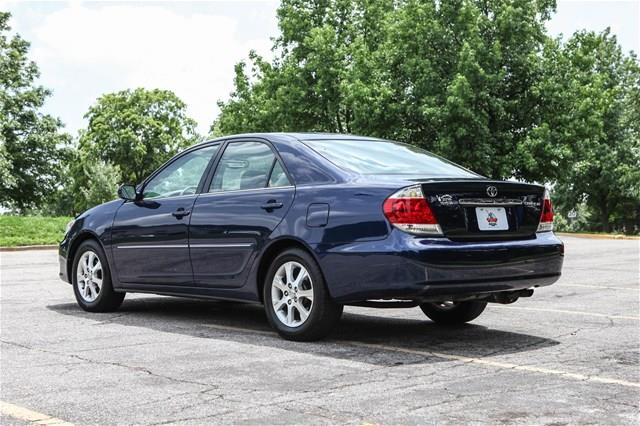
(301, 136)
(305, 136)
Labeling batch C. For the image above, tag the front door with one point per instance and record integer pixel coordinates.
(248, 197)
(150, 236)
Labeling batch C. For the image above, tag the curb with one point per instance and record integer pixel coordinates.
(599, 236)
(26, 248)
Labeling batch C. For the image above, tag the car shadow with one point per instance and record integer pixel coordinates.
(361, 337)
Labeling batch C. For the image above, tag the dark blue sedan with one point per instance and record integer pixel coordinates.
(307, 223)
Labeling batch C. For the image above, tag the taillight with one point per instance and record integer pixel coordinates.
(546, 218)
(409, 211)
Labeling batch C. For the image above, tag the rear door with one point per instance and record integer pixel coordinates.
(249, 195)
(150, 236)
(484, 209)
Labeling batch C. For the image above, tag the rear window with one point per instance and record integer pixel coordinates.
(372, 157)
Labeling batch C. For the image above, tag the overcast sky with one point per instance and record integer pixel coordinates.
(87, 49)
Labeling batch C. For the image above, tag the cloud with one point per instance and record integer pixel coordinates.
(84, 50)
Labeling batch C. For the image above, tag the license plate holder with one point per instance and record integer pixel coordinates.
(492, 219)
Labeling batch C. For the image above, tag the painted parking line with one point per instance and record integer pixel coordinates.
(500, 365)
(608, 287)
(457, 358)
(24, 414)
(562, 311)
(246, 330)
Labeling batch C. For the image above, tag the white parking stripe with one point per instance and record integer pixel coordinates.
(501, 365)
(612, 287)
(457, 358)
(246, 330)
(27, 415)
(562, 311)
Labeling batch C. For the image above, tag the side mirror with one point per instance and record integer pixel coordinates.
(128, 192)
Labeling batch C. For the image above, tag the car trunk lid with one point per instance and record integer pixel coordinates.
(477, 209)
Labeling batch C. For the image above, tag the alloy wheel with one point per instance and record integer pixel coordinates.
(89, 276)
(292, 294)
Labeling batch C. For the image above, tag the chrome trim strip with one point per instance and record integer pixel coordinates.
(164, 246)
(221, 245)
(233, 191)
(176, 197)
(173, 197)
(154, 246)
(489, 202)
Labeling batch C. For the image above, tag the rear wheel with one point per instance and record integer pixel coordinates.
(450, 313)
(92, 280)
(296, 299)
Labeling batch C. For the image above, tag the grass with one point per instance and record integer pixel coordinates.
(31, 230)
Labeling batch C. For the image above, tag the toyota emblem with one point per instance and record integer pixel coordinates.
(492, 191)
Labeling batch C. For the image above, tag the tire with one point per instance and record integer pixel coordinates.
(92, 285)
(452, 313)
(286, 291)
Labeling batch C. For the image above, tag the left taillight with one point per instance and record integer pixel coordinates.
(410, 212)
(546, 218)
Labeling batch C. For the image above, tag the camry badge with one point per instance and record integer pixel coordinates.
(492, 191)
(445, 199)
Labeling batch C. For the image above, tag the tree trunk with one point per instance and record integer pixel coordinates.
(604, 218)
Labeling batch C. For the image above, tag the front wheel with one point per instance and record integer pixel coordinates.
(296, 299)
(92, 280)
(451, 313)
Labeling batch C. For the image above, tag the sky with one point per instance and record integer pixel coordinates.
(86, 49)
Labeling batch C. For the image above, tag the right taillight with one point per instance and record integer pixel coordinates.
(546, 218)
(410, 212)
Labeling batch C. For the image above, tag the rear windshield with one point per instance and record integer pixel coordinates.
(372, 157)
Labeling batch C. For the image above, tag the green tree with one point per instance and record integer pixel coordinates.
(86, 182)
(94, 181)
(478, 81)
(137, 130)
(591, 127)
(307, 87)
(455, 77)
(32, 146)
(8, 181)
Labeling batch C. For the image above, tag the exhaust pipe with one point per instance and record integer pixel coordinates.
(507, 297)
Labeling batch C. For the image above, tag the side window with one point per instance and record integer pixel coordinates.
(278, 176)
(244, 165)
(182, 176)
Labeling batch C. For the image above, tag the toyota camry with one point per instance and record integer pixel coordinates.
(307, 223)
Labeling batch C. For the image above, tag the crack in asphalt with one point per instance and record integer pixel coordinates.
(110, 363)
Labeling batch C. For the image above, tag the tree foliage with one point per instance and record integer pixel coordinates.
(137, 130)
(454, 77)
(86, 182)
(592, 129)
(32, 146)
(477, 81)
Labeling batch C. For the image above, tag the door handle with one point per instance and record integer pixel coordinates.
(271, 205)
(180, 213)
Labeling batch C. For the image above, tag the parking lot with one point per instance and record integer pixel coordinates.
(570, 354)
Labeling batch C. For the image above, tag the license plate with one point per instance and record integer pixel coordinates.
(492, 218)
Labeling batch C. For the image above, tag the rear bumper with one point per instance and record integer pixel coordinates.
(406, 267)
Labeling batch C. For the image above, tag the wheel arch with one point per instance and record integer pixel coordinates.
(274, 249)
(75, 244)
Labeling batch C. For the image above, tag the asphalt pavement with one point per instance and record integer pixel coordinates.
(568, 355)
